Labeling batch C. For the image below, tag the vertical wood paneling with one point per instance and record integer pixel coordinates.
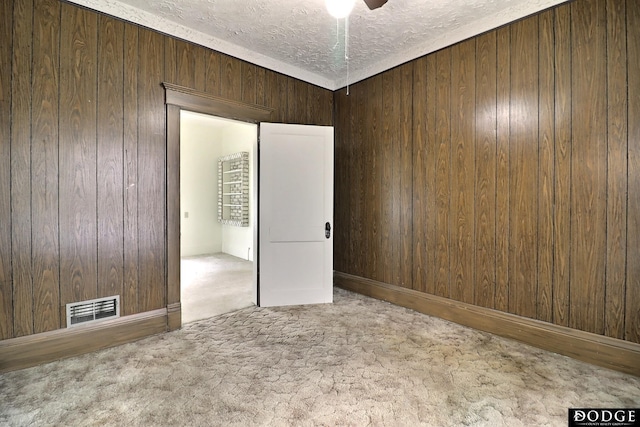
(485, 170)
(463, 100)
(185, 64)
(171, 66)
(431, 174)
(524, 162)
(44, 166)
(356, 229)
(503, 183)
(563, 144)
(443, 174)
(6, 288)
(396, 222)
(406, 175)
(342, 211)
(200, 59)
(261, 75)
(632, 318)
(388, 139)
(83, 168)
(546, 139)
(151, 173)
(212, 82)
(562, 189)
(588, 165)
(523, 147)
(421, 213)
(276, 94)
(78, 231)
(231, 78)
(373, 120)
(110, 157)
(616, 169)
(297, 101)
(21, 169)
(129, 301)
(248, 83)
(317, 111)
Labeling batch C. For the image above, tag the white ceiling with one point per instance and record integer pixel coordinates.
(299, 38)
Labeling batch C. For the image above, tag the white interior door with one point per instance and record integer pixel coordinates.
(295, 248)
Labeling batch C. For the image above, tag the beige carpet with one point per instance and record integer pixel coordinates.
(214, 284)
(357, 362)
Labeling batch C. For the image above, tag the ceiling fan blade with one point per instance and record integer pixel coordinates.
(374, 4)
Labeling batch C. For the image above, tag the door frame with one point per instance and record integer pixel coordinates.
(179, 98)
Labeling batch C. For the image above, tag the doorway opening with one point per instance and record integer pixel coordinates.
(216, 254)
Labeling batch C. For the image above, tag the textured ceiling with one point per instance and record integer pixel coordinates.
(300, 39)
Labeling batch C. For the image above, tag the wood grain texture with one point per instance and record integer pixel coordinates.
(317, 111)
(406, 175)
(431, 173)
(523, 169)
(151, 173)
(6, 283)
(503, 161)
(261, 76)
(276, 94)
(212, 82)
(546, 178)
(200, 55)
(588, 166)
(388, 138)
(395, 186)
(632, 317)
(44, 166)
(617, 172)
(78, 94)
(231, 78)
(21, 244)
(110, 157)
(443, 174)
(296, 102)
(173, 205)
(562, 159)
(248, 83)
(372, 196)
(83, 172)
(523, 152)
(129, 297)
(358, 179)
(485, 170)
(463, 166)
(342, 175)
(185, 63)
(421, 213)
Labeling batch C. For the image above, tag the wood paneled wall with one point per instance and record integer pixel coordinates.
(83, 153)
(504, 171)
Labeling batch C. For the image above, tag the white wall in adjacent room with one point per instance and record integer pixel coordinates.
(203, 139)
(200, 147)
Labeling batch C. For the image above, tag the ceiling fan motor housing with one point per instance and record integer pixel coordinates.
(374, 4)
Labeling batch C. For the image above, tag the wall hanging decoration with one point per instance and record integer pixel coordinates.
(233, 189)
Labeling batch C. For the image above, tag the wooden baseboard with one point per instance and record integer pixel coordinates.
(32, 350)
(592, 348)
(174, 313)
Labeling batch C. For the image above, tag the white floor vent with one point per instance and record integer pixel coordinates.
(83, 312)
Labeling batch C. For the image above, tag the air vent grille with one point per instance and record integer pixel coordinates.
(93, 310)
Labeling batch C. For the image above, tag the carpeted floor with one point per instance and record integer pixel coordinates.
(356, 362)
(214, 284)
